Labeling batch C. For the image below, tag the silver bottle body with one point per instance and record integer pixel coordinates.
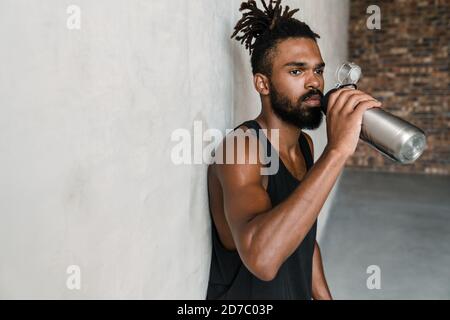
(396, 138)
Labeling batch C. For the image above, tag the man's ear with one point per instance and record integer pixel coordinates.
(261, 83)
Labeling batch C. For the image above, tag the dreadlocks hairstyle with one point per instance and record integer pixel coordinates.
(263, 30)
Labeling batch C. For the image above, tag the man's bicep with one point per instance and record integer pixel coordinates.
(244, 198)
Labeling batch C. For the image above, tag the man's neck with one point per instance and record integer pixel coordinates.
(288, 133)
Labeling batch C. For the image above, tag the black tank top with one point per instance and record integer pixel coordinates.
(230, 279)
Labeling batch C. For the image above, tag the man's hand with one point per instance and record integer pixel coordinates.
(344, 118)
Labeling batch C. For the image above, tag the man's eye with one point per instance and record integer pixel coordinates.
(295, 72)
(319, 71)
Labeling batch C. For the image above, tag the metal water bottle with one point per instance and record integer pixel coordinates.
(394, 137)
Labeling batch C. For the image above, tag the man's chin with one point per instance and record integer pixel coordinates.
(308, 106)
(306, 117)
(306, 125)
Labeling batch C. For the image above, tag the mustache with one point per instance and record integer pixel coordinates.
(311, 93)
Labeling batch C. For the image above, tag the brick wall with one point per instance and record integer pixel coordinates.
(405, 65)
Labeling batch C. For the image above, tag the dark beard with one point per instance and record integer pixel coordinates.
(303, 117)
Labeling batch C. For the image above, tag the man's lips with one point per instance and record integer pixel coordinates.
(313, 100)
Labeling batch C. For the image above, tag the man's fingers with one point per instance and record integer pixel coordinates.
(344, 97)
(363, 106)
(335, 95)
(356, 100)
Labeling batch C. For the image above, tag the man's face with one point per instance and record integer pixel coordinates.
(296, 84)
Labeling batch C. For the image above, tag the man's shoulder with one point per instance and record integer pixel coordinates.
(238, 155)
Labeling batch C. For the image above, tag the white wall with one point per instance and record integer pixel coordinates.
(86, 176)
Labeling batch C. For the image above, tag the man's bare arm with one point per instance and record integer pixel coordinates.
(320, 290)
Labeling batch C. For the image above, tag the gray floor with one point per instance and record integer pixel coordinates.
(398, 222)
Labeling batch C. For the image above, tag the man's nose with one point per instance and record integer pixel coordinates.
(312, 82)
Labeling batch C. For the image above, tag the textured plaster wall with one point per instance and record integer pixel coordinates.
(86, 176)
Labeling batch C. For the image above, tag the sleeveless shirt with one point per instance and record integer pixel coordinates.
(230, 279)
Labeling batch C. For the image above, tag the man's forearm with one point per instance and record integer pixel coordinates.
(320, 290)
